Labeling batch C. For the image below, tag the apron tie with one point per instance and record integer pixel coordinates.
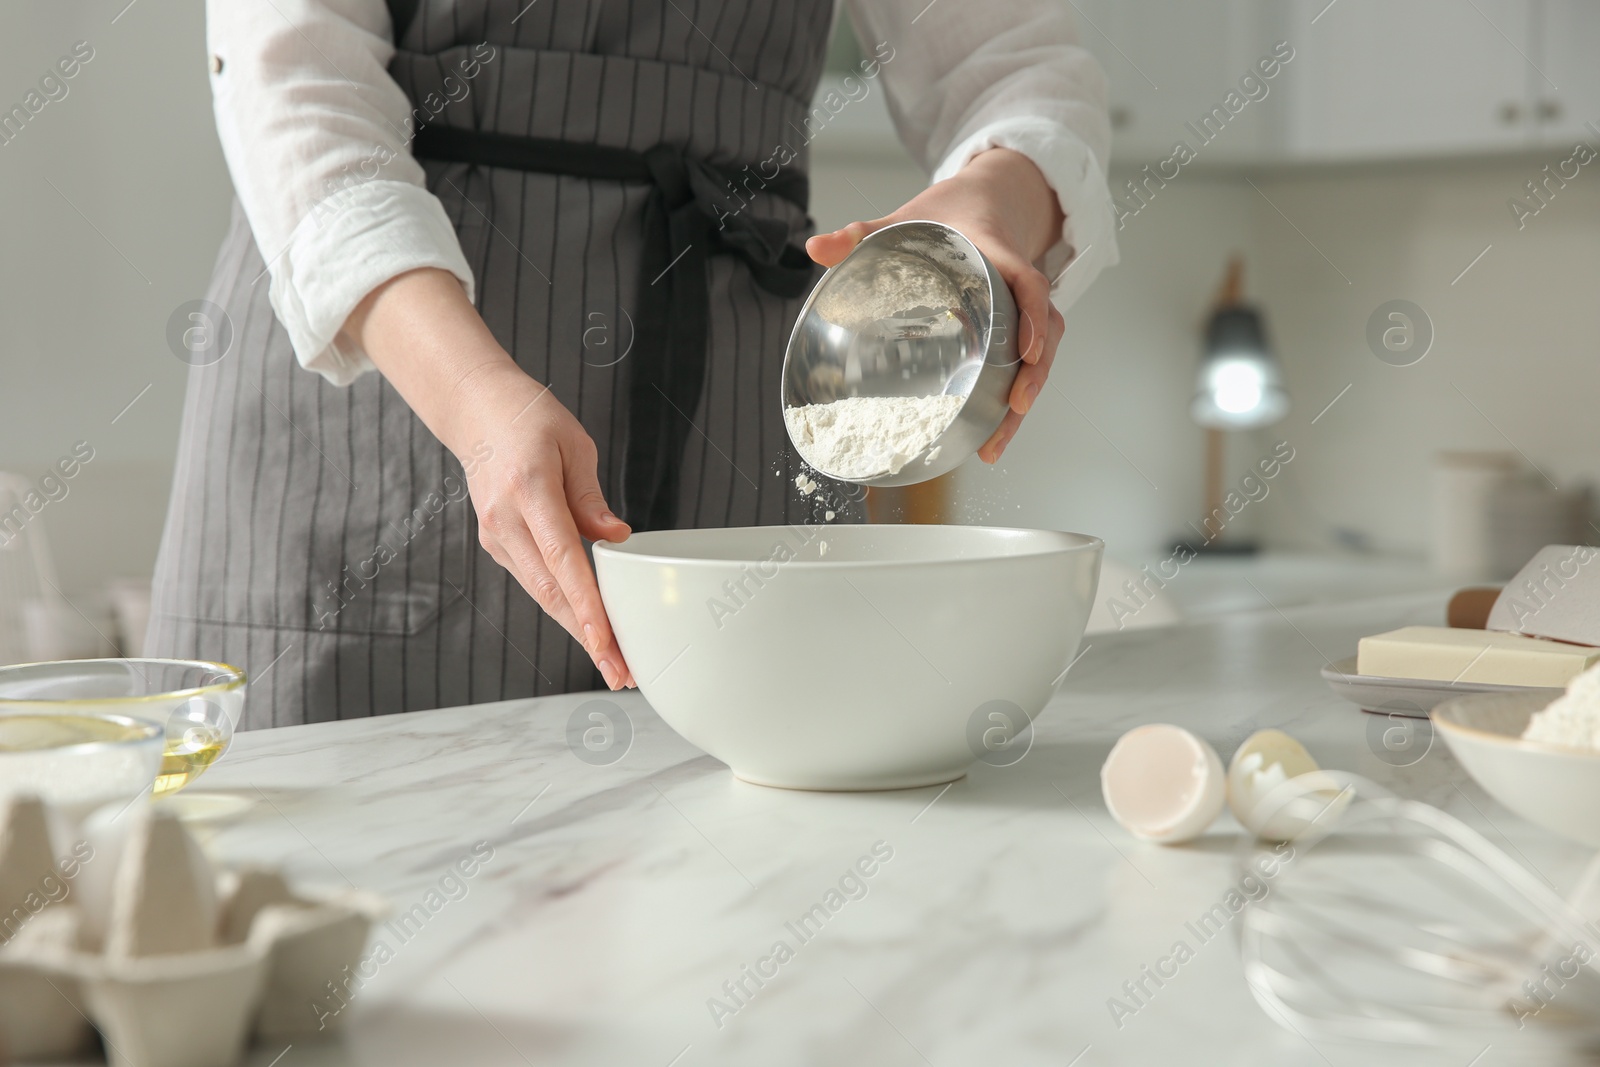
(689, 217)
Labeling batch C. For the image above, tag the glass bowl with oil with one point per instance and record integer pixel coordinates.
(78, 762)
(194, 706)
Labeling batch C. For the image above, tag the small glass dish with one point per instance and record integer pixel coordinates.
(78, 762)
(193, 705)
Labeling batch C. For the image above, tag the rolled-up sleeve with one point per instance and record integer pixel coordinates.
(316, 137)
(963, 77)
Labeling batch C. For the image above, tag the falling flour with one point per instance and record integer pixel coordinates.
(1572, 719)
(866, 436)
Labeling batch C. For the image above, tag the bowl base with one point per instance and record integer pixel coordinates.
(877, 784)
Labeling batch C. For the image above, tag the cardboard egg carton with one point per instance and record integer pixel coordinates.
(176, 964)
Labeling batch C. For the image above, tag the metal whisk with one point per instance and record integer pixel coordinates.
(1399, 923)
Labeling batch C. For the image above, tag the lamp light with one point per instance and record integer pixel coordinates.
(1239, 387)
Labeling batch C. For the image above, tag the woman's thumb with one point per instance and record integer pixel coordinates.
(829, 249)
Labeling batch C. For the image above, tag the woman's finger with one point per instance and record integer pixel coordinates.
(992, 448)
(511, 545)
(1031, 291)
(519, 554)
(1031, 377)
(556, 535)
(595, 519)
(1030, 380)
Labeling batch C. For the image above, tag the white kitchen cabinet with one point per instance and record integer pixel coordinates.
(1565, 87)
(1378, 79)
(1381, 80)
(1170, 64)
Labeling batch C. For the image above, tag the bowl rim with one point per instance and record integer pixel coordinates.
(1439, 716)
(1085, 543)
(238, 680)
(154, 732)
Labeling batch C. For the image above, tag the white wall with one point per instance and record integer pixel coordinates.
(1518, 335)
(86, 287)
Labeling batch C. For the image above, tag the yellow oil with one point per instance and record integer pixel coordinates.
(184, 759)
(183, 763)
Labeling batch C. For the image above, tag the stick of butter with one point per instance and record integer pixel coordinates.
(1487, 657)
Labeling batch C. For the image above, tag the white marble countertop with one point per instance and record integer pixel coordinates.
(617, 900)
(1217, 584)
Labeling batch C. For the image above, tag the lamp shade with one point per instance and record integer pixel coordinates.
(1240, 386)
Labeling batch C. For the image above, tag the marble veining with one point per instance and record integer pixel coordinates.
(620, 898)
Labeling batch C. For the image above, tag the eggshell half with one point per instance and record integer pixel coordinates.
(1265, 804)
(1162, 783)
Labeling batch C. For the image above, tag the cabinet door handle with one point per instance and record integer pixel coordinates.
(1549, 110)
(1510, 113)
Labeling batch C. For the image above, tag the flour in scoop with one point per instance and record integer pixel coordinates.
(866, 436)
(1572, 719)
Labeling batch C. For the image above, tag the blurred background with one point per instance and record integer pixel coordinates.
(1413, 195)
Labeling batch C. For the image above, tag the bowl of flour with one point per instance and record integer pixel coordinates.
(901, 362)
(1537, 755)
(844, 657)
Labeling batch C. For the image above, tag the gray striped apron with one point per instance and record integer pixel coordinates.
(322, 539)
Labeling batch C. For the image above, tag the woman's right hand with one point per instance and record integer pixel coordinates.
(536, 491)
(536, 495)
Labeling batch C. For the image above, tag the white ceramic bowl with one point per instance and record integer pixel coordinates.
(860, 665)
(1556, 788)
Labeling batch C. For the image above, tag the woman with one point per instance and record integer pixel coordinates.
(566, 235)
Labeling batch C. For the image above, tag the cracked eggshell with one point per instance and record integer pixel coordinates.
(1162, 783)
(1265, 804)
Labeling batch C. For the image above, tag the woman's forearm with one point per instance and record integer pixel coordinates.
(423, 334)
(538, 495)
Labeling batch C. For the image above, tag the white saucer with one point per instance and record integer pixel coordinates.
(1411, 697)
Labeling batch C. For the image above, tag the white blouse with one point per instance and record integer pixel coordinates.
(304, 100)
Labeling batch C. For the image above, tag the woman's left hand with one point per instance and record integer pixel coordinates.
(1003, 204)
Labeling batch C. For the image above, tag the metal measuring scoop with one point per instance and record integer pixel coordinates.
(914, 310)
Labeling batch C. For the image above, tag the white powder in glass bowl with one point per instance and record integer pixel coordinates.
(1572, 719)
(867, 436)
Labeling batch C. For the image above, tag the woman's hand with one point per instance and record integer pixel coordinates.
(536, 497)
(538, 494)
(1002, 203)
